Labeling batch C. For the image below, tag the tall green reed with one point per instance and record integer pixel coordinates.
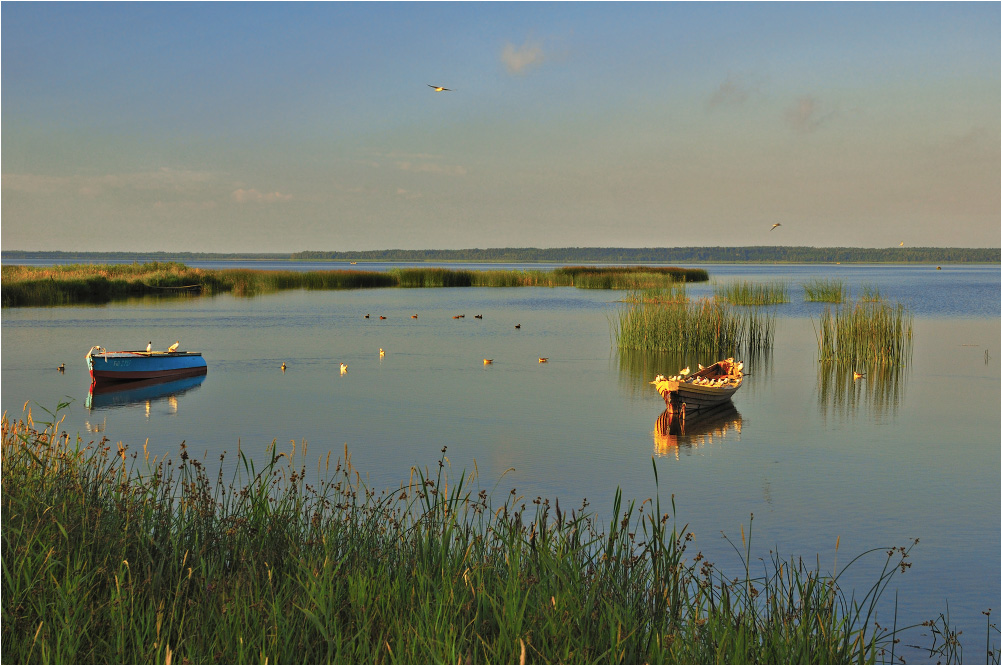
(745, 292)
(825, 291)
(702, 327)
(865, 334)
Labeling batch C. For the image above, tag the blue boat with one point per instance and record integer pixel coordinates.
(123, 366)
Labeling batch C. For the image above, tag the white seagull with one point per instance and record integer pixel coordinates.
(439, 88)
(149, 347)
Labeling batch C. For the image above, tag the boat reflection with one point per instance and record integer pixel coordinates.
(673, 430)
(880, 389)
(124, 394)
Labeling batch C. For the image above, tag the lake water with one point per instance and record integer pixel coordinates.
(814, 457)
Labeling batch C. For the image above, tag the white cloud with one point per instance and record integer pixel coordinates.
(254, 196)
(520, 59)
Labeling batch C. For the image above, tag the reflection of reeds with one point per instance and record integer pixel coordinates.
(707, 328)
(746, 292)
(881, 389)
(825, 291)
(116, 557)
(865, 334)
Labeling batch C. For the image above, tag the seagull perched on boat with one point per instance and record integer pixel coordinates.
(439, 88)
(776, 225)
(173, 347)
(684, 371)
(149, 347)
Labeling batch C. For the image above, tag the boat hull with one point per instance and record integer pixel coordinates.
(706, 389)
(133, 365)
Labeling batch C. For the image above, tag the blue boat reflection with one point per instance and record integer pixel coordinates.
(674, 429)
(123, 394)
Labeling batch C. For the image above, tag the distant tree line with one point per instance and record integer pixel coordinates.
(563, 255)
(672, 255)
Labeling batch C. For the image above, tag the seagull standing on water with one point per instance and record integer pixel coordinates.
(344, 368)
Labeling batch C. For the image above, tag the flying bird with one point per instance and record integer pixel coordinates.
(173, 347)
(149, 347)
(439, 88)
(776, 225)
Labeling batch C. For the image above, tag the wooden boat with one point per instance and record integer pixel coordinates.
(119, 366)
(705, 389)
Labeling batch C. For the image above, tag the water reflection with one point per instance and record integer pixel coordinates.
(143, 392)
(841, 392)
(673, 431)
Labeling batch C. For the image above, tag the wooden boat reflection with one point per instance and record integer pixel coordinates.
(693, 429)
(122, 394)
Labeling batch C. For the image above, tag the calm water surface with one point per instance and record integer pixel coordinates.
(813, 456)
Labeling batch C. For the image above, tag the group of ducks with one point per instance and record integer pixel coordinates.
(459, 316)
(382, 353)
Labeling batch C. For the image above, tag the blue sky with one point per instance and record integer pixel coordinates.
(260, 127)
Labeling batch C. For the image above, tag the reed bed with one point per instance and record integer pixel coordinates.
(674, 292)
(870, 292)
(705, 328)
(112, 556)
(745, 292)
(62, 285)
(865, 335)
(825, 291)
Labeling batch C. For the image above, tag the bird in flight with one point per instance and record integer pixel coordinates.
(776, 225)
(439, 88)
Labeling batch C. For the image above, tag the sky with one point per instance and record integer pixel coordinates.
(281, 127)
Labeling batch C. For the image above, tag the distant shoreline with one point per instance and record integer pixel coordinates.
(689, 255)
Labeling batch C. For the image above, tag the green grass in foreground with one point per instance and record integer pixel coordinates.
(110, 556)
(85, 283)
